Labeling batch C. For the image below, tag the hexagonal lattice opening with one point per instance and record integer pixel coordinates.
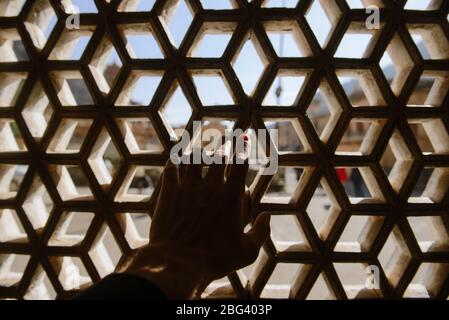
(249, 64)
(40, 22)
(71, 88)
(11, 177)
(286, 88)
(38, 204)
(323, 209)
(140, 135)
(71, 182)
(135, 227)
(207, 86)
(11, 47)
(428, 280)
(140, 41)
(105, 252)
(139, 184)
(69, 137)
(359, 234)
(394, 257)
(104, 159)
(212, 40)
(12, 267)
(11, 228)
(71, 229)
(176, 18)
(287, 234)
(324, 111)
(89, 115)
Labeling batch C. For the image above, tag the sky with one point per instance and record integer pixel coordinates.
(248, 66)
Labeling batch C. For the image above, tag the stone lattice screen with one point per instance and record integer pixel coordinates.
(71, 142)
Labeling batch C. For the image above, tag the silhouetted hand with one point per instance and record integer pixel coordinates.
(196, 233)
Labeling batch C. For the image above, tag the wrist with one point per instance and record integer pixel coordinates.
(167, 270)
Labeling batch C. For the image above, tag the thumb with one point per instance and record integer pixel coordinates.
(257, 236)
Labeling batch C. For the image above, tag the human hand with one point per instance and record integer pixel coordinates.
(197, 232)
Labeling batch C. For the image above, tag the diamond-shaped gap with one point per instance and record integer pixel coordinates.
(431, 136)
(280, 3)
(70, 136)
(217, 5)
(287, 185)
(359, 234)
(420, 5)
(219, 289)
(430, 40)
(11, 8)
(71, 182)
(139, 88)
(355, 278)
(322, 16)
(175, 111)
(321, 290)
(396, 64)
(40, 22)
(71, 88)
(79, 6)
(394, 256)
(323, 209)
(397, 161)
(358, 41)
(430, 232)
(360, 137)
(288, 137)
(287, 234)
(104, 159)
(37, 111)
(431, 90)
(12, 268)
(432, 185)
(139, 135)
(40, 287)
(135, 227)
(11, 139)
(38, 204)
(287, 39)
(105, 252)
(281, 281)
(176, 18)
(71, 44)
(11, 228)
(428, 281)
(361, 4)
(71, 229)
(140, 41)
(139, 184)
(212, 40)
(361, 88)
(208, 84)
(105, 65)
(324, 111)
(72, 273)
(11, 177)
(360, 185)
(249, 63)
(287, 88)
(11, 84)
(136, 6)
(11, 46)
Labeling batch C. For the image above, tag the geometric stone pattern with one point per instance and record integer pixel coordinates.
(40, 114)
